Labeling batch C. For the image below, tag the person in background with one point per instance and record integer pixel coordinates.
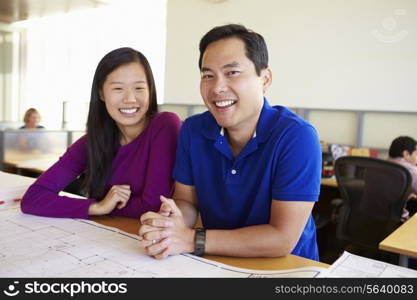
(30, 140)
(32, 119)
(127, 154)
(403, 150)
(251, 170)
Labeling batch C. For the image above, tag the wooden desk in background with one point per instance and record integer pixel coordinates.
(403, 241)
(34, 162)
(331, 182)
(328, 192)
(37, 165)
(281, 263)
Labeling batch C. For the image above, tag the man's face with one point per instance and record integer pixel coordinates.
(411, 158)
(230, 87)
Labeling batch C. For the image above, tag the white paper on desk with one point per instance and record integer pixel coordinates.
(350, 265)
(55, 247)
(12, 187)
(306, 272)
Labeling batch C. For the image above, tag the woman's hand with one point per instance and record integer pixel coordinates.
(116, 197)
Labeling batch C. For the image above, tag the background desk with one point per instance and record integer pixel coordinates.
(328, 192)
(329, 247)
(403, 241)
(280, 263)
(331, 182)
(36, 163)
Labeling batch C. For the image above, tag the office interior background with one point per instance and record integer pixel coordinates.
(349, 67)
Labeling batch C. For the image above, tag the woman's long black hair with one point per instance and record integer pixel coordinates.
(102, 132)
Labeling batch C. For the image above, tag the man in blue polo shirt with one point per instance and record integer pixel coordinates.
(251, 170)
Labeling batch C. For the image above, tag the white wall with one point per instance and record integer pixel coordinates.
(357, 54)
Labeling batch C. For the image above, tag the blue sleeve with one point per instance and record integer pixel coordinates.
(183, 172)
(297, 169)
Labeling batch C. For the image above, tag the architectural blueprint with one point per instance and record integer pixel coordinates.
(12, 187)
(34, 246)
(350, 265)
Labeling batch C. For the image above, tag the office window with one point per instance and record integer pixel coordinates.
(198, 109)
(381, 128)
(180, 110)
(9, 65)
(336, 127)
(63, 51)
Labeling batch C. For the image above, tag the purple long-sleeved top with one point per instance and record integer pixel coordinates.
(145, 164)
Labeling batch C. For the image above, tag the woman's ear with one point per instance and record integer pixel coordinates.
(406, 154)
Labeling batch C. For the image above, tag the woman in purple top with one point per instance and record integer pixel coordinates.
(127, 154)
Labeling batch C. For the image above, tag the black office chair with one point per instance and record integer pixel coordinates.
(374, 193)
(76, 186)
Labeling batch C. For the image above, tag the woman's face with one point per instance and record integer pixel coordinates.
(126, 96)
(33, 120)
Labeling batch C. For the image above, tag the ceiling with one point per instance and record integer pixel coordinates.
(19, 10)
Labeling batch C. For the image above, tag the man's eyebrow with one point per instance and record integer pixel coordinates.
(233, 64)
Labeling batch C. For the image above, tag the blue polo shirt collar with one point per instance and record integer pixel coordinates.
(266, 123)
(222, 132)
(268, 120)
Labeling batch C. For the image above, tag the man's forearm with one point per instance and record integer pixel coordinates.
(189, 212)
(252, 241)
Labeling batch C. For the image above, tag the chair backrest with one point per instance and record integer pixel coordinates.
(374, 193)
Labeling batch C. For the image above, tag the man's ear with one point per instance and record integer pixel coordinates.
(266, 76)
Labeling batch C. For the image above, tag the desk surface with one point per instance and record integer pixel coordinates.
(36, 162)
(37, 165)
(403, 240)
(280, 263)
(329, 181)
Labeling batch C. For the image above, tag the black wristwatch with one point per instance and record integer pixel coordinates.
(200, 241)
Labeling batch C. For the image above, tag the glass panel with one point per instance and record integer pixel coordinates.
(24, 145)
(180, 110)
(75, 135)
(198, 109)
(380, 129)
(336, 127)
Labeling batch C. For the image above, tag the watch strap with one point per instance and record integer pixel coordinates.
(200, 241)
